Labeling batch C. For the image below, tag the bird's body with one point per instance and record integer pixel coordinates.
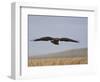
(55, 40)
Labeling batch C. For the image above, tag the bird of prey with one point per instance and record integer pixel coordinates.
(55, 40)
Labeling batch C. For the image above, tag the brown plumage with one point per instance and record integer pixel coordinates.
(55, 40)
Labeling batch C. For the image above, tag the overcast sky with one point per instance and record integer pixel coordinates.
(56, 26)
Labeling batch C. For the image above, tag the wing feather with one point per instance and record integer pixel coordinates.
(44, 39)
(68, 40)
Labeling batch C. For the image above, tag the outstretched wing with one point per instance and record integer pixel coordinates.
(44, 39)
(68, 40)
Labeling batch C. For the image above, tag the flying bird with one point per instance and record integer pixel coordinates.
(55, 40)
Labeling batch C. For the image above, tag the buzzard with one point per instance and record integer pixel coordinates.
(55, 40)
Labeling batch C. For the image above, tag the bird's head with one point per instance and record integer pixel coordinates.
(57, 39)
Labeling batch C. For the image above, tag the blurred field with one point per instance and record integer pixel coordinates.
(71, 57)
(57, 61)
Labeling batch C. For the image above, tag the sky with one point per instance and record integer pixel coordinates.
(56, 26)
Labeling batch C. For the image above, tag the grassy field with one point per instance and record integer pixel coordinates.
(71, 57)
(57, 61)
